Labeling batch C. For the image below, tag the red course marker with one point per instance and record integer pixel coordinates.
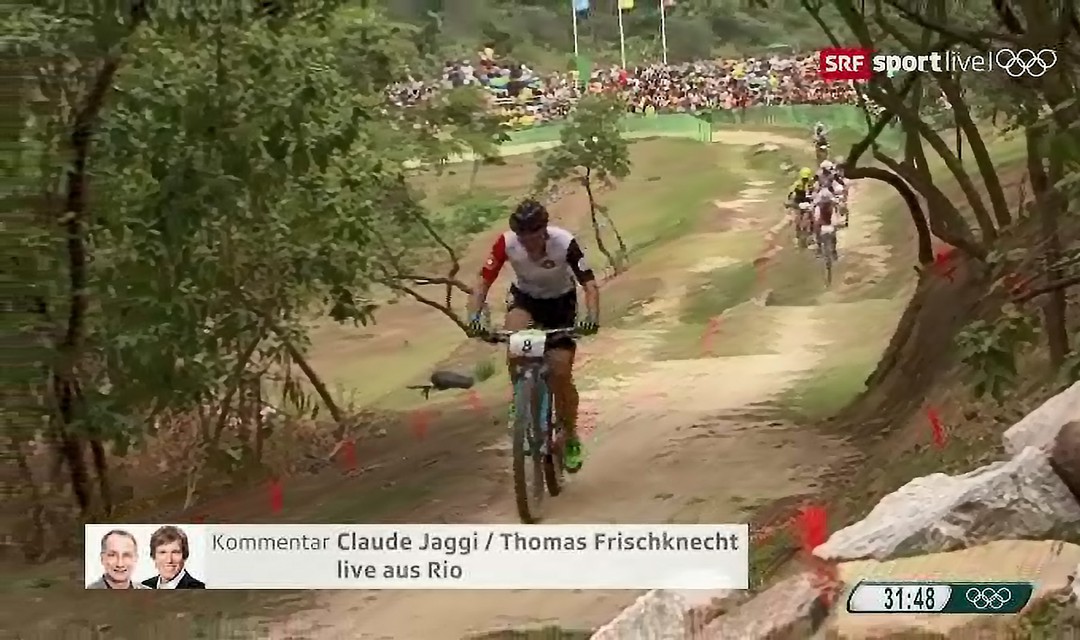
(348, 455)
(812, 523)
(419, 419)
(710, 332)
(276, 494)
(943, 263)
(474, 401)
(936, 428)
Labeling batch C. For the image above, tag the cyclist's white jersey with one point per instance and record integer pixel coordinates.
(551, 276)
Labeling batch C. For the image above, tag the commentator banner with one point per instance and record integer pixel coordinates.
(420, 556)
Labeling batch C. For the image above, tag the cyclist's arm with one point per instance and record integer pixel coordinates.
(575, 257)
(488, 274)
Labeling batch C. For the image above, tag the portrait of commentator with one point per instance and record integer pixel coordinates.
(119, 555)
(169, 550)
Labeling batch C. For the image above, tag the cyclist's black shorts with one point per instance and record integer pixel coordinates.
(548, 313)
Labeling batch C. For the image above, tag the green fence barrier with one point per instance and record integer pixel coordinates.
(660, 125)
(835, 117)
(700, 126)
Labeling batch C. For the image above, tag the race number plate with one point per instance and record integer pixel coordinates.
(828, 229)
(527, 344)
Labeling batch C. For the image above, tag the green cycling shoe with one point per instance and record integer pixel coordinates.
(573, 453)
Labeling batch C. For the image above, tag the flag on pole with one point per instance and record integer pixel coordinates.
(626, 5)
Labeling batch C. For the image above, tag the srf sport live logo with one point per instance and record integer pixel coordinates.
(842, 64)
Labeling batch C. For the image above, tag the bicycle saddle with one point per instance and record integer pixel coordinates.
(450, 380)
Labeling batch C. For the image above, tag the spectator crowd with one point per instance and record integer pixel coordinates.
(526, 97)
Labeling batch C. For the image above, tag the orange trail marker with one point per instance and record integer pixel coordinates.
(936, 428)
(276, 494)
(419, 420)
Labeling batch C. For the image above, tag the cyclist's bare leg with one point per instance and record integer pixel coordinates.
(561, 378)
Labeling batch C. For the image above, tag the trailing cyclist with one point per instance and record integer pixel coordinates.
(824, 207)
(821, 141)
(801, 193)
(548, 264)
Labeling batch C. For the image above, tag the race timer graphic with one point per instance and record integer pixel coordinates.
(939, 597)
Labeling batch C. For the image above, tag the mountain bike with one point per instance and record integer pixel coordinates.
(537, 435)
(802, 224)
(827, 247)
(822, 149)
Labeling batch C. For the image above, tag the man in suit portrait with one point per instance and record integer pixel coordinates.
(169, 550)
(119, 555)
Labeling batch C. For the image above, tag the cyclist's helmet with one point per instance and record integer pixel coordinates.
(806, 173)
(819, 127)
(529, 216)
(827, 166)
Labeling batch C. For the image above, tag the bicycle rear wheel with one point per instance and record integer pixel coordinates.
(528, 467)
(828, 243)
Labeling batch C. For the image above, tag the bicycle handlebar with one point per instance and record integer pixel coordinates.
(503, 335)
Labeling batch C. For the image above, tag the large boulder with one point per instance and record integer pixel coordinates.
(656, 615)
(1017, 498)
(1065, 457)
(1040, 427)
(1048, 564)
(791, 609)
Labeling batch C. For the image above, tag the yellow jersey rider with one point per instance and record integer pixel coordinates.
(803, 185)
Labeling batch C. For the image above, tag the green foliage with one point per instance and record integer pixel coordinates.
(989, 350)
(484, 369)
(473, 213)
(591, 144)
(246, 172)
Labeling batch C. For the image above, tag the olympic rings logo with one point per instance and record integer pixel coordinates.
(1025, 62)
(988, 598)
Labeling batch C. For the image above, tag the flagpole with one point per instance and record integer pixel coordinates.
(663, 28)
(573, 10)
(622, 37)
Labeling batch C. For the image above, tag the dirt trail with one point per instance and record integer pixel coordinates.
(674, 444)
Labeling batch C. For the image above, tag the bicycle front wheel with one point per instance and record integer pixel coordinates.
(527, 452)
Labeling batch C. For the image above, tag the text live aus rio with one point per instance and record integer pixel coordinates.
(844, 64)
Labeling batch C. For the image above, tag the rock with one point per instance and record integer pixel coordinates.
(792, 609)
(656, 615)
(1065, 457)
(1047, 563)
(1041, 426)
(1017, 498)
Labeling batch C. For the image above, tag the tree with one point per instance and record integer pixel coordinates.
(591, 150)
(244, 165)
(1041, 107)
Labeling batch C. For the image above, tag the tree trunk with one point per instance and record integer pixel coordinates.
(257, 445)
(987, 170)
(623, 251)
(587, 181)
(1049, 202)
(101, 469)
(922, 231)
(316, 383)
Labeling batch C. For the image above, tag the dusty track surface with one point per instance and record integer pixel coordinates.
(674, 442)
